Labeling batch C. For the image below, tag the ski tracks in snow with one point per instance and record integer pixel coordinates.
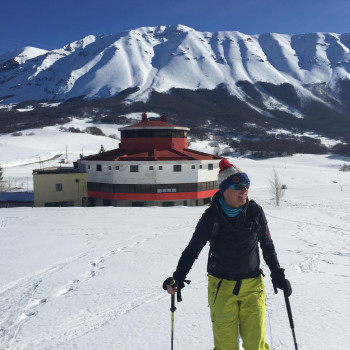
(18, 302)
(85, 322)
(22, 300)
(313, 252)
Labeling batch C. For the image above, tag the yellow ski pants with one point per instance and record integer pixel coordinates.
(243, 313)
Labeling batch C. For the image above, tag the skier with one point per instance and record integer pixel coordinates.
(233, 225)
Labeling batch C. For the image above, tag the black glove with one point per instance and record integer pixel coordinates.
(170, 281)
(279, 281)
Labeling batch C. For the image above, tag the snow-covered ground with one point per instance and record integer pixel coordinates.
(90, 278)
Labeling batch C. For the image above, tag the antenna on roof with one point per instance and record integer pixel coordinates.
(144, 117)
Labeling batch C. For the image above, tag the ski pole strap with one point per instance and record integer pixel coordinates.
(179, 297)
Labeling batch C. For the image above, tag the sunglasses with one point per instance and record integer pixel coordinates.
(240, 187)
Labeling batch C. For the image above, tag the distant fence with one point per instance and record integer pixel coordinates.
(14, 184)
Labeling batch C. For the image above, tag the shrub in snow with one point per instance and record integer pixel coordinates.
(345, 167)
(17, 133)
(341, 148)
(93, 130)
(74, 130)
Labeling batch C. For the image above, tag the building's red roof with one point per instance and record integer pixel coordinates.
(154, 155)
(153, 149)
(152, 123)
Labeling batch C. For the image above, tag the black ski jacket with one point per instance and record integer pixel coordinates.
(234, 252)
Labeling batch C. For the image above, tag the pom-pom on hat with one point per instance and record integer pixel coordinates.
(230, 174)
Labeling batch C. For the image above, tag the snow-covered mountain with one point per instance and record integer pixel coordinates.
(165, 57)
(265, 75)
(12, 59)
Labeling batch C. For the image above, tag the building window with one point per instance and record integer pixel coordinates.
(143, 188)
(177, 167)
(109, 167)
(166, 190)
(201, 166)
(98, 167)
(88, 166)
(160, 167)
(117, 167)
(151, 167)
(60, 204)
(58, 187)
(138, 204)
(193, 167)
(134, 168)
(210, 166)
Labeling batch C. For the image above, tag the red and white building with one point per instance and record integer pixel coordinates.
(153, 166)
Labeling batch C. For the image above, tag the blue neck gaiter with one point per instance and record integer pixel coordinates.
(229, 211)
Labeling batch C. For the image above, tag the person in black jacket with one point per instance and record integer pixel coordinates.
(234, 226)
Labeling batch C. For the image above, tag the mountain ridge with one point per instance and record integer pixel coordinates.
(153, 57)
(274, 76)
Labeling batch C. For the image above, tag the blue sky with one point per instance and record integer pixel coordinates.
(52, 24)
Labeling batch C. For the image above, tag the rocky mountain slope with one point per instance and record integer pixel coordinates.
(273, 80)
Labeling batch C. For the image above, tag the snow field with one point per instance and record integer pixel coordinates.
(90, 278)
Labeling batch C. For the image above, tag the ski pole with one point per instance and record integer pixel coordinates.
(289, 311)
(172, 309)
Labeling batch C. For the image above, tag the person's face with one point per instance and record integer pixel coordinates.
(235, 198)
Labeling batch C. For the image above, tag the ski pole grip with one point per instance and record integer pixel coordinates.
(169, 282)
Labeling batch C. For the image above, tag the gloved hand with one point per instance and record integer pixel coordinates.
(169, 282)
(279, 281)
(176, 285)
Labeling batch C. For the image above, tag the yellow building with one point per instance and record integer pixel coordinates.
(59, 187)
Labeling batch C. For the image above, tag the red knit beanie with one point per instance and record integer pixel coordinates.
(230, 174)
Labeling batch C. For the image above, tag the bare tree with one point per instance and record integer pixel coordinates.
(276, 187)
(217, 150)
(2, 182)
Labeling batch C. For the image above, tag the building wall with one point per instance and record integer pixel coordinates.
(131, 203)
(73, 193)
(145, 175)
